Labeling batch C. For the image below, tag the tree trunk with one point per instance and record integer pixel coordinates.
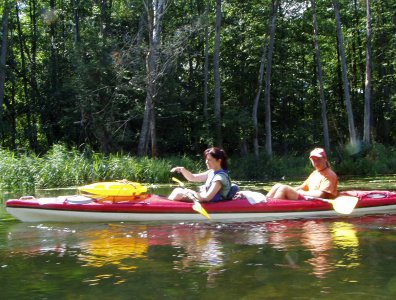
(344, 69)
(216, 61)
(145, 130)
(82, 129)
(320, 79)
(35, 93)
(367, 131)
(155, 12)
(267, 94)
(30, 112)
(257, 100)
(258, 95)
(53, 59)
(3, 55)
(105, 18)
(77, 34)
(206, 64)
(54, 66)
(358, 66)
(383, 130)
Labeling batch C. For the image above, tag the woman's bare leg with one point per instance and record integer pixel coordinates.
(180, 194)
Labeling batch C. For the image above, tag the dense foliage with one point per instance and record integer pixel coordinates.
(75, 73)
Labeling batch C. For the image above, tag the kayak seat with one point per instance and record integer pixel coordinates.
(233, 190)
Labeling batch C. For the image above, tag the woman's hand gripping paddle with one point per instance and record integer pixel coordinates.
(197, 205)
(342, 204)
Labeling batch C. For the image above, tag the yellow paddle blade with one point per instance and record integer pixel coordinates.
(198, 208)
(178, 181)
(344, 204)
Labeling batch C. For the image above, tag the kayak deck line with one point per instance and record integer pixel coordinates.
(29, 215)
(77, 208)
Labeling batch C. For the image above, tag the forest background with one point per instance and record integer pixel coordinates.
(160, 79)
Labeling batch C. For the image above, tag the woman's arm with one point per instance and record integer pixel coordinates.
(199, 177)
(205, 196)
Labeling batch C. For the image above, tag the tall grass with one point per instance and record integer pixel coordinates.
(17, 171)
(64, 167)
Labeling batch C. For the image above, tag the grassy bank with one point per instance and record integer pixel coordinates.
(64, 167)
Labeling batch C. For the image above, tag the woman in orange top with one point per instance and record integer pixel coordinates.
(321, 183)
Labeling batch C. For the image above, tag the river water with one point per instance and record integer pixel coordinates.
(333, 258)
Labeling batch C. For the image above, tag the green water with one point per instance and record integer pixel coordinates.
(335, 258)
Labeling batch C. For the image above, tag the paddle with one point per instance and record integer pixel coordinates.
(114, 188)
(342, 204)
(197, 205)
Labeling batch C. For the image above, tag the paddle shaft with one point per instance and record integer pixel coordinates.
(327, 200)
(197, 205)
(317, 198)
(189, 195)
(342, 204)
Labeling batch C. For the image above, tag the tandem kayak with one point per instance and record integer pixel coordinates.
(153, 207)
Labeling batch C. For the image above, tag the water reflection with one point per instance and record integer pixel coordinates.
(321, 239)
(114, 246)
(317, 247)
(200, 248)
(317, 239)
(344, 237)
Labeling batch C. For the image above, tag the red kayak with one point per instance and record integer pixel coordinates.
(152, 207)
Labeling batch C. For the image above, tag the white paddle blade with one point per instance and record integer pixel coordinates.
(344, 204)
